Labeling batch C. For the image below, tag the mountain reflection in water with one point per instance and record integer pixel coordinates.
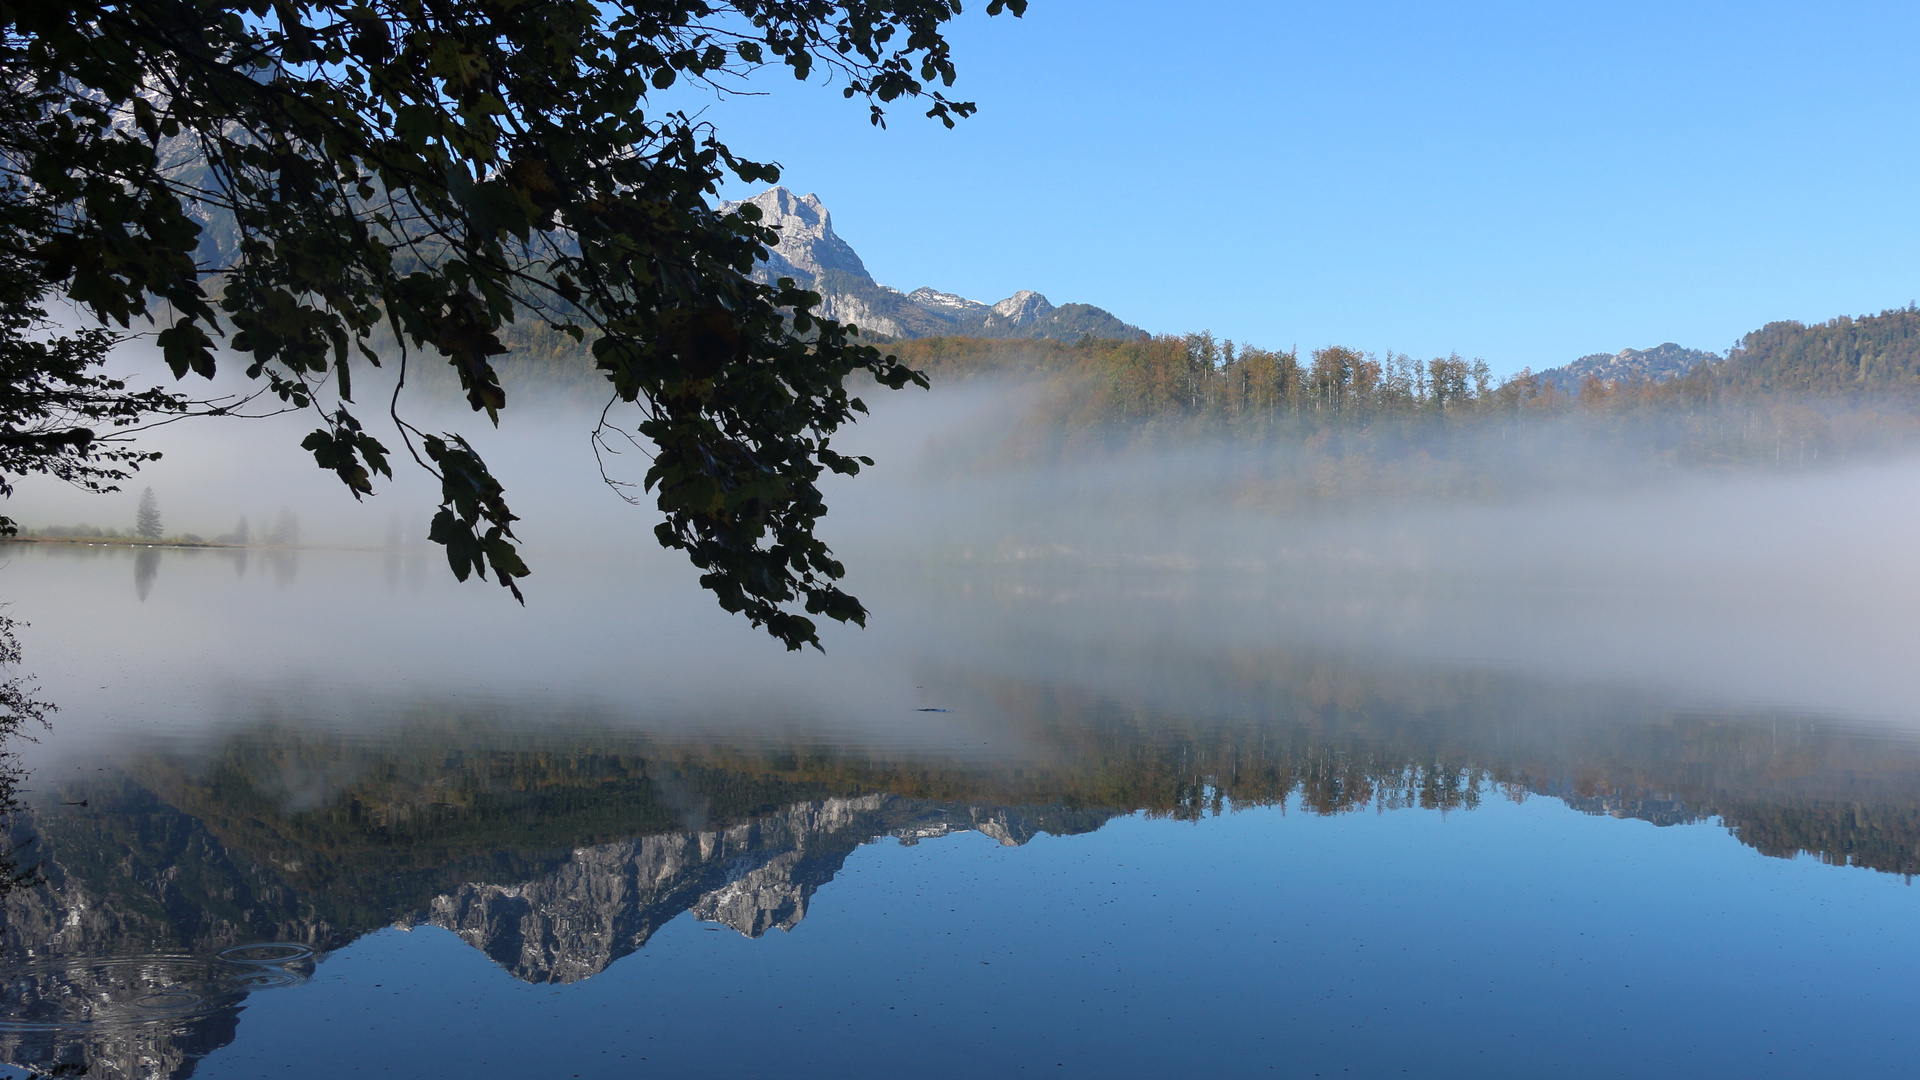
(556, 853)
(190, 865)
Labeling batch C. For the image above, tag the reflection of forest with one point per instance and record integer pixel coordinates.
(557, 850)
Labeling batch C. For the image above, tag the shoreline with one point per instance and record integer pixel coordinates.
(196, 545)
(120, 541)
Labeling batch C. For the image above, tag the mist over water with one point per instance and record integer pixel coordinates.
(1150, 699)
(1215, 709)
(1791, 589)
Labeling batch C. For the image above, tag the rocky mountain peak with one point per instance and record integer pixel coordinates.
(1658, 364)
(935, 300)
(817, 258)
(605, 902)
(808, 243)
(1023, 307)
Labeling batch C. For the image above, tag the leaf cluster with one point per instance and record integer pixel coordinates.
(290, 178)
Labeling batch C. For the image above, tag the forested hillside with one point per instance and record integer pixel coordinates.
(1875, 353)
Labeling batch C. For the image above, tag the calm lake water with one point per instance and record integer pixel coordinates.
(325, 813)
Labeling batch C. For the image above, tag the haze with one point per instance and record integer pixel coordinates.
(1789, 592)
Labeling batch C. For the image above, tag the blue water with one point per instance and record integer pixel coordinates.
(1152, 916)
(1509, 941)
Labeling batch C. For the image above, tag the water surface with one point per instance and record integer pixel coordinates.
(310, 813)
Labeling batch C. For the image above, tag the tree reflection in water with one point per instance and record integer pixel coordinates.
(146, 567)
(557, 850)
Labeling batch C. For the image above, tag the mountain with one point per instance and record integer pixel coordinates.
(112, 929)
(605, 901)
(815, 256)
(1658, 364)
(557, 851)
(809, 251)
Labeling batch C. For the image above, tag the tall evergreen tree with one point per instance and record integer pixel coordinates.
(146, 519)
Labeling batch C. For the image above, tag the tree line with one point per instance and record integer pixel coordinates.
(1342, 422)
(455, 794)
(1339, 422)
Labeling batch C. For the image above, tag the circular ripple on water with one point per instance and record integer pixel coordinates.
(266, 980)
(275, 952)
(90, 993)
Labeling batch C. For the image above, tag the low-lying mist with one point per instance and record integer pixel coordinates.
(1555, 545)
(216, 470)
(1051, 466)
(1541, 501)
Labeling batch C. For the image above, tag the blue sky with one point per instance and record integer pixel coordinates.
(1522, 182)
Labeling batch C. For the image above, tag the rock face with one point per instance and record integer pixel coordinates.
(1023, 307)
(175, 912)
(808, 245)
(812, 254)
(605, 902)
(114, 922)
(1658, 364)
(948, 306)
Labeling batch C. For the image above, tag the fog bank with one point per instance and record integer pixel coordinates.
(1789, 589)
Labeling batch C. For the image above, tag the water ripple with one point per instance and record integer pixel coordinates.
(79, 994)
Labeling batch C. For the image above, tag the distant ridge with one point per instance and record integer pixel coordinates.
(812, 254)
(1876, 353)
(1658, 364)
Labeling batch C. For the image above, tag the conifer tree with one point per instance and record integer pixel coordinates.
(146, 520)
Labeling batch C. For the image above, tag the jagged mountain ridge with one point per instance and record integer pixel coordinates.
(171, 862)
(606, 901)
(809, 251)
(595, 906)
(817, 258)
(1658, 364)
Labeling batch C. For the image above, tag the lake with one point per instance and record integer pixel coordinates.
(327, 813)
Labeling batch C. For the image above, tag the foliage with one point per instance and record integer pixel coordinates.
(53, 404)
(296, 176)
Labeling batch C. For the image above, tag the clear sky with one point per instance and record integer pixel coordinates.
(1523, 182)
